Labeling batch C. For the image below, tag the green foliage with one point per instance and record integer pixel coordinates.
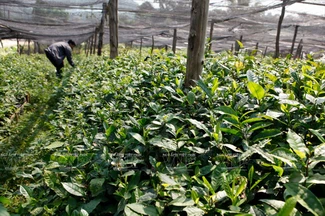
(124, 137)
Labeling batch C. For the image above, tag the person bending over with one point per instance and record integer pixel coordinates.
(57, 52)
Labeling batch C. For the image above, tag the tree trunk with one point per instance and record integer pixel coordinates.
(196, 41)
(113, 28)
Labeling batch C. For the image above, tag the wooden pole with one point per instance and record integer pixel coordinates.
(294, 39)
(95, 41)
(300, 52)
(256, 48)
(211, 35)
(28, 51)
(1, 43)
(237, 47)
(141, 41)
(153, 43)
(88, 46)
(265, 51)
(91, 45)
(196, 41)
(174, 41)
(113, 27)
(299, 49)
(18, 46)
(35, 47)
(101, 30)
(277, 41)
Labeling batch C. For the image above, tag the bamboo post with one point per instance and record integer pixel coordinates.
(277, 41)
(101, 30)
(294, 39)
(196, 41)
(174, 41)
(113, 27)
(211, 35)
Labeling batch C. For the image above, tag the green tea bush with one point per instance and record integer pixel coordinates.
(124, 137)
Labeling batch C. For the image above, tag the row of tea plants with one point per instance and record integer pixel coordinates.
(124, 137)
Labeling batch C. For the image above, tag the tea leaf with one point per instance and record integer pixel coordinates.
(164, 143)
(205, 88)
(142, 209)
(3, 211)
(297, 144)
(138, 137)
(193, 211)
(96, 186)
(73, 189)
(190, 98)
(256, 90)
(305, 198)
(289, 207)
(54, 145)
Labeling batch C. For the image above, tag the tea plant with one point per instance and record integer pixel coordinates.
(124, 137)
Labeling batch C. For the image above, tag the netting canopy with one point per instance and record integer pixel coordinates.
(255, 22)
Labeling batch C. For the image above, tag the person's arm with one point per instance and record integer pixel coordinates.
(69, 56)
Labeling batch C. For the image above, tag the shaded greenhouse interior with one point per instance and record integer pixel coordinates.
(47, 21)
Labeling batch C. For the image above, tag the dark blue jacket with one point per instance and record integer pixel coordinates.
(59, 51)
